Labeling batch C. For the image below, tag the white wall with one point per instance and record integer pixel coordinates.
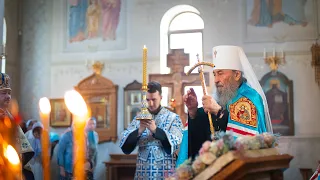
(48, 70)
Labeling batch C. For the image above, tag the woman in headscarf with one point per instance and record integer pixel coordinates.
(92, 147)
(29, 125)
(36, 161)
(54, 142)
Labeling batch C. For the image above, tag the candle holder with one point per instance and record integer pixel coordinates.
(274, 61)
(144, 113)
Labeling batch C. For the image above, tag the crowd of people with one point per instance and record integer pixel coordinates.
(61, 151)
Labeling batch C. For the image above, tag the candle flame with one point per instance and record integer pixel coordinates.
(12, 155)
(75, 103)
(44, 105)
(144, 47)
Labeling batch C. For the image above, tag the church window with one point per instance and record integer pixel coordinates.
(181, 28)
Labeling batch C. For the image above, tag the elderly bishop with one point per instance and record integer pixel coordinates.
(239, 104)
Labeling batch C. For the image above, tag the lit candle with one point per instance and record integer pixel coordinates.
(45, 109)
(144, 63)
(77, 106)
(14, 163)
(274, 52)
(264, 53)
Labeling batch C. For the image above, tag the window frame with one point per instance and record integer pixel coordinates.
(170, 32)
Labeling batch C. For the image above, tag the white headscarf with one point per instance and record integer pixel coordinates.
(37, 124)
(29, 121)
(234, 58)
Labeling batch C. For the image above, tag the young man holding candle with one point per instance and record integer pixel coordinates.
(24, 149)
(157, 139)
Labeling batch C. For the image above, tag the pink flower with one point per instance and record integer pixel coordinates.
(205, 147)
(207, 158)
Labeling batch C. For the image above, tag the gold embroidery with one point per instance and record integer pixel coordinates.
(244, 112)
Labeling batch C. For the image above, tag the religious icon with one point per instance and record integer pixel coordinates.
(136, 98)
(93, 19)
(278, 90)
(60, 115)
(132, 101)
(99, 106)
(243, 113)
(266, 20)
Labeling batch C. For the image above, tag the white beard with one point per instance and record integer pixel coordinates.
(226, 96)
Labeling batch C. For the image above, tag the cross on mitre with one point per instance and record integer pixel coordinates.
(215, 53)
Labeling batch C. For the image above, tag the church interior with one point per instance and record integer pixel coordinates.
(48, 48)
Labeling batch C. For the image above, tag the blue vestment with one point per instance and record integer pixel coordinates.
(154, 161)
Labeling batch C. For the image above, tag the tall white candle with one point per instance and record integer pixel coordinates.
(45, 109)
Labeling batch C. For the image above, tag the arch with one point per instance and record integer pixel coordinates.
(178, 22)
(164, 30)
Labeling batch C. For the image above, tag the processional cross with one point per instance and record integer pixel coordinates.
(177, 79)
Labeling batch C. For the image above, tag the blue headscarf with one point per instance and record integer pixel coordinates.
(54, 137)
(36, 144)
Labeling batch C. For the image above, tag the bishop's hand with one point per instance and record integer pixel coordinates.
(210, 105)
(190, 100)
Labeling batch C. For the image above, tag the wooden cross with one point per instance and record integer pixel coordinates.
(177, 79)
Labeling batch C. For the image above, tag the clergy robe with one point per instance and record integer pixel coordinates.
(183, 151)
(24, 149)
(156, 152)
(244, 115)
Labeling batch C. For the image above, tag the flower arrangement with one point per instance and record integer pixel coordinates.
(210, 151)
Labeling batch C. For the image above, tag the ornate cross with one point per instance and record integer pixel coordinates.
(177, 79)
